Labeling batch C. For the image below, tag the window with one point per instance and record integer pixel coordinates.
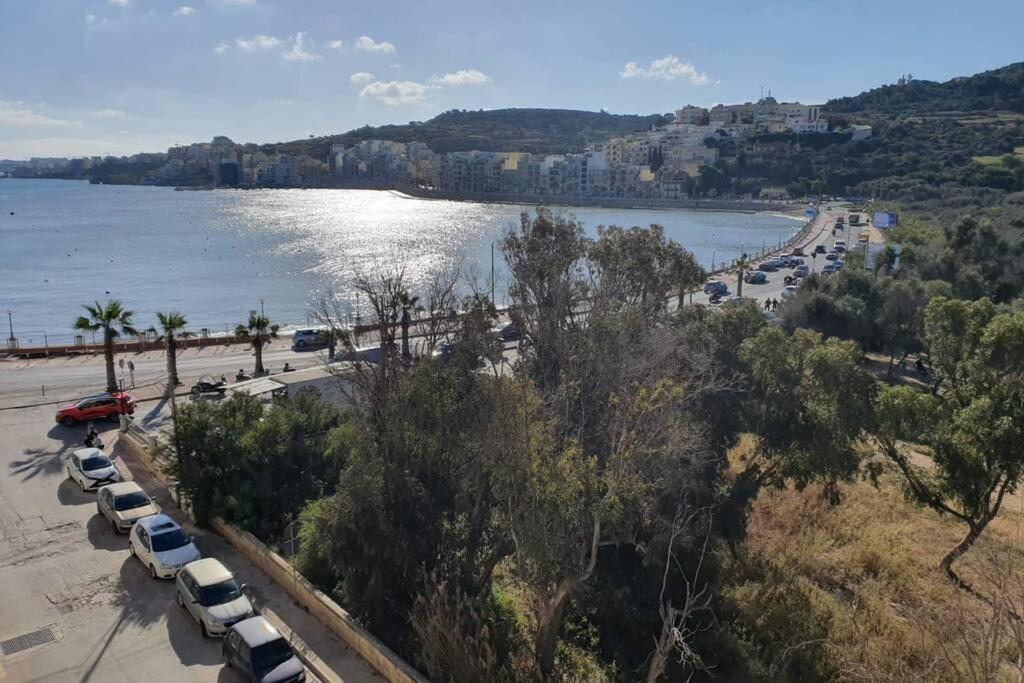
(169, 540)
(219, 593)
(95, 462)
(130, 501)
(271, 654)
(143, 538)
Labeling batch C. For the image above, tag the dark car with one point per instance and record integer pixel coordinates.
(831, 256)
(103, 406)
(258, 651)
(755, 278)
(767, 266)
(506, 332)
(820, 249)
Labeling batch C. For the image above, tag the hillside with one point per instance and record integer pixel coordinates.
(996, 90)
(551, 131)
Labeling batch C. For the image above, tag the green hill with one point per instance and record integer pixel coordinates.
(990, 91)
(550, 131)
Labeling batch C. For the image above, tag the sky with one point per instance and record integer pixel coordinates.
(97, 77)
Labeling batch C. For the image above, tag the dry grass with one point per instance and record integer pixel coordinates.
(867, 572)
(989, 161)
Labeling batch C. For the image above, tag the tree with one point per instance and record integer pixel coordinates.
(170, 324)
(258, 330)
(899, 322)
(975, 426)
(113, 320)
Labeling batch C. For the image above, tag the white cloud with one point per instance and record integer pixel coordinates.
(299, 51)
(237, 2)
(668, 68)
(260, 42)
(338, 45)
(184, 11)
(108, 114)
(370, 45)
(463, 77)
(221, 48)
(90, 18)
(395, 93)
(19, 114)
(120, 3)
(361, 77)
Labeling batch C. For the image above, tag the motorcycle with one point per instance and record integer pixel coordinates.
(207, 385)
(715, 298)
(240, 376)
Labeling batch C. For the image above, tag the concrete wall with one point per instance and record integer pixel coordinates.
(329, 613)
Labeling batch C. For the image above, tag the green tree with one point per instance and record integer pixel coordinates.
(170, 325)
(113, 320)
(975, 426)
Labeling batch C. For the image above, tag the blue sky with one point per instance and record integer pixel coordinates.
(120, 76)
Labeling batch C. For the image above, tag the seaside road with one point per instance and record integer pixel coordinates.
(772, 289)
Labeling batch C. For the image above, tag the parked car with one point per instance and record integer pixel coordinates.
(839, 245)
(755, 277)
(820, 249)
(210, 593)
(716, 286)
(506, 332)
(801, 271)
(100, 407)
(258, 651)
(310, 338)
(839, 263)
(162, 546)
(767, 266)
(90, 468)
(831, 256)
(798, 251)
(829, 269)
(123, 504)
(788, 291)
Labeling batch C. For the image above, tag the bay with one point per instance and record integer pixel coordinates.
(214, 255)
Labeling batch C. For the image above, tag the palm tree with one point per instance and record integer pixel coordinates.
(170, 324)
(113, 320)
(741, 265)
(258, 330)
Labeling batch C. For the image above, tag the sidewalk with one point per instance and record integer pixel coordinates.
(328, 657)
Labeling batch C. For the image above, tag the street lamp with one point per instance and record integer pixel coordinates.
(11, 341)
(261, 308)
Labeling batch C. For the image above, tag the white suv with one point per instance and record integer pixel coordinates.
(161, 545)
(212, 596)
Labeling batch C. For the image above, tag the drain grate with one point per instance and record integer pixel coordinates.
(27, 641)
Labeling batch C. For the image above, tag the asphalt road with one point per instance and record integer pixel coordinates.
(62, 568)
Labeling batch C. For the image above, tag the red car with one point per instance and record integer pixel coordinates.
(104, 406)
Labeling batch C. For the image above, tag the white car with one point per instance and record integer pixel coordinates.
(162, 546)
(90, 468)
(212, 596)
(123, 504)
(788, 291)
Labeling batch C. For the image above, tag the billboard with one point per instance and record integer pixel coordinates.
(884, 219)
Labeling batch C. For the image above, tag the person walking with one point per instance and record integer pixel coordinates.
(131, 373)
(767, 304)
(775, 305)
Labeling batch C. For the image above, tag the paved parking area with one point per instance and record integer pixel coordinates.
(66, 577)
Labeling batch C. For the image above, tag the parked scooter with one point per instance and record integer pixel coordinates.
(207, 385)
(240, 376)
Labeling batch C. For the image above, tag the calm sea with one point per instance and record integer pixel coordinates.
(214, 255)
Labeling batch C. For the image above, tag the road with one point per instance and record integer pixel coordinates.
(62, 569)
(772, 289)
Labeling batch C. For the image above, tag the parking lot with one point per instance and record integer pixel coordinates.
(74, 606)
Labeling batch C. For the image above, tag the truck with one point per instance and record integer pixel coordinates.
(854, 219)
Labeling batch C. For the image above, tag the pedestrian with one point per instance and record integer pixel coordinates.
(131, 373)
(775, 304)
(767, 304)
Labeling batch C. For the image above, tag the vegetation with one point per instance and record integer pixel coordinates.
(652, 493)
(113, 320)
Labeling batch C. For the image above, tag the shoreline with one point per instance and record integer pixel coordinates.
(793, 209)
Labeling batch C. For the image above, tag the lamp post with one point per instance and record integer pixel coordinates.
(261, 308)
(11, 341)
